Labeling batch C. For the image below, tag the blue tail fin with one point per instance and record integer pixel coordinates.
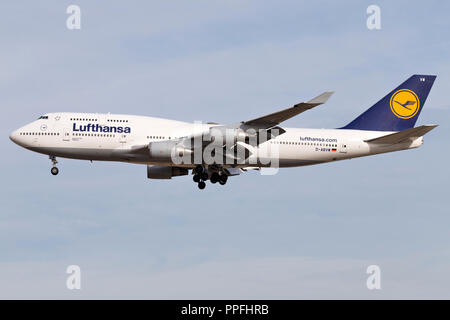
(398, 110)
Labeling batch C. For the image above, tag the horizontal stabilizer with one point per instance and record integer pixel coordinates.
(403, 136)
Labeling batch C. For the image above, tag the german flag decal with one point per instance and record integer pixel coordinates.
(333, 150)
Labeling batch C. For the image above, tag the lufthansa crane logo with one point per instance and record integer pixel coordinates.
(405, 103)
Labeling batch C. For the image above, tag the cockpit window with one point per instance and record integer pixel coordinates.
(43, 117)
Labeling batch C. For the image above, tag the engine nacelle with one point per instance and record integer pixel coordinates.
(231, 136)
(164, 150)
(165, 172)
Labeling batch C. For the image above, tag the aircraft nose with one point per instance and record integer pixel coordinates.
(14, 136)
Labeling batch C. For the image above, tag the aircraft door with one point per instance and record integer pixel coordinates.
(343, 147)
(124, 140)
(66, 134)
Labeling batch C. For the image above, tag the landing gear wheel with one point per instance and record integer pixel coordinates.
(54, 169)
(201, 185)
(214, 177)
(196, 178)
(198, 169)
(223, 179)
(204, 175)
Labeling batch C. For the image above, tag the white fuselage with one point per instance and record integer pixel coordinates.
(113, 137)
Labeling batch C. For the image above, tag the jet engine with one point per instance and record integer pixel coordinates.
(167, 150)
(165, 172)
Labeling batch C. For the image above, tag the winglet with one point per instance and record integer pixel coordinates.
(322, 98)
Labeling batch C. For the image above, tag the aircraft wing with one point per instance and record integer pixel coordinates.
(273, 119)
(268, 122)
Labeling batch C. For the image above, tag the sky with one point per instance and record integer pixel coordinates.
(304, 233)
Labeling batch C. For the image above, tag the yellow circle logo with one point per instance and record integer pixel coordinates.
(405, 103)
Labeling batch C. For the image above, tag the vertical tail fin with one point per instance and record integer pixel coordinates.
(398, 110)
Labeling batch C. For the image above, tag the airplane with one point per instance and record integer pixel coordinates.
(259, 143)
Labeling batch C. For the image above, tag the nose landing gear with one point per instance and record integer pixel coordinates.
(54, 170)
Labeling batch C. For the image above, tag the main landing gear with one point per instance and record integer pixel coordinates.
(216, 177)
(54, 170)
(201, 175)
